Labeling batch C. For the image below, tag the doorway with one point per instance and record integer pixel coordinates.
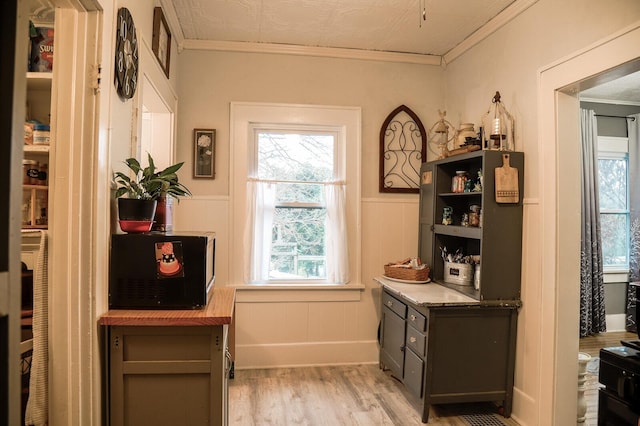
(156, 134)
(72, 268)
(612, 103)
(560, 84)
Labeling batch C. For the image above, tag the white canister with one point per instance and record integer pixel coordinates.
(466, 131)
(476, 277)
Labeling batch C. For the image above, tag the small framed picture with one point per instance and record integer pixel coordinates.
(161, 41)
(204, 144)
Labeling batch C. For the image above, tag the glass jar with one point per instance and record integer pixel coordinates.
(465, 219)
(26, 208)
(43, 174)
(474, 215)
(458, 182)
(30, 171)
(40, 208)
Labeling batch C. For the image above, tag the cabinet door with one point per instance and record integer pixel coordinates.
(392, 341)
(413, 373)
(167, 375)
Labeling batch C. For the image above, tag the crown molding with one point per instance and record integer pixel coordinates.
(489, 28)
(326, 52)
(485, 31)
(174, 25)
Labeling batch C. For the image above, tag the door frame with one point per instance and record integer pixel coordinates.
(12, 69)
(558, 140)
(79, 192)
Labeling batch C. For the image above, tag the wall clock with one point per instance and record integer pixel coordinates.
(126, 58)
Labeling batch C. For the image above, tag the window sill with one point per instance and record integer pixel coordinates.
(298, 293)
(616, 276)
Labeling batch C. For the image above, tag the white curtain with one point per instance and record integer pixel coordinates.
(259, 222)
(337, 250)
(261, 200)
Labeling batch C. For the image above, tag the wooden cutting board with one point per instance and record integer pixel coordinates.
(507, 190)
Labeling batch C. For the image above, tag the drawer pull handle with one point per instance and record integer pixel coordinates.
(412, 339)
(389, 303)
(413, 317)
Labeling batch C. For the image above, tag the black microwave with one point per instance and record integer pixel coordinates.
(159, 270)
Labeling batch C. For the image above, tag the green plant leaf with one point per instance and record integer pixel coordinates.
(133, 164)
(149, 184)
(171, 170)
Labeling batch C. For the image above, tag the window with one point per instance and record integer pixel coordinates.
(301, 203)
(613, 193)
(294, 166)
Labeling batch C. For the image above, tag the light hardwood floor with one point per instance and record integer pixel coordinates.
(339, 395)
(365, 395)
(592, 345)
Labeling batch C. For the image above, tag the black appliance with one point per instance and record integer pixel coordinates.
(619, 372)
(159, 270)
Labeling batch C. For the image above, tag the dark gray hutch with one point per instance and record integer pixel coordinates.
(450, 342)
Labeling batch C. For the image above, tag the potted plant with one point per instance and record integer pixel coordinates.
(148, 194)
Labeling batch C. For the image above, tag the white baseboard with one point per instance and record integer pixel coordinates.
(616, 322)
(524, 410)
(306, 354)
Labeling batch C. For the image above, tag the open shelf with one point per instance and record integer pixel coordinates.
(39, 80)
(498, 239)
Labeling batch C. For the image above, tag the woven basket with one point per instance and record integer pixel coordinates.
(406, 273)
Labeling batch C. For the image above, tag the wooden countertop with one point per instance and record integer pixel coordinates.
(219, 311)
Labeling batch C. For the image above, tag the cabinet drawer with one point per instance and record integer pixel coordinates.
(394, 304)
(413, 373)
(416, 319)
(416, 341)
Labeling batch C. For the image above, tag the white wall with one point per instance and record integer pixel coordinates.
(510, 61)
(338, 326)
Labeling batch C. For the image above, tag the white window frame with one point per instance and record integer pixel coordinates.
(245, 117)
(614, 148)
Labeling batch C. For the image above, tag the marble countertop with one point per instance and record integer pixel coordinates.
(429, 294)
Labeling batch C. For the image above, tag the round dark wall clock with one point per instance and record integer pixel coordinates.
(126, 60)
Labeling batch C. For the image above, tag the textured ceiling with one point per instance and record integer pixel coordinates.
(625, 89)
(377, 25)
(359, 25)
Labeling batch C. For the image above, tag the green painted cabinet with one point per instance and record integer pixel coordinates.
(168, 375)
(451, 353)
(498, 241)
(453, 340)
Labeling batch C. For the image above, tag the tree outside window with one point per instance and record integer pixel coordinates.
(614, 209)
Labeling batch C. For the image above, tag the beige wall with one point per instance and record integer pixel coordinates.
(510, 61)
(125, 115)
(338, 326)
